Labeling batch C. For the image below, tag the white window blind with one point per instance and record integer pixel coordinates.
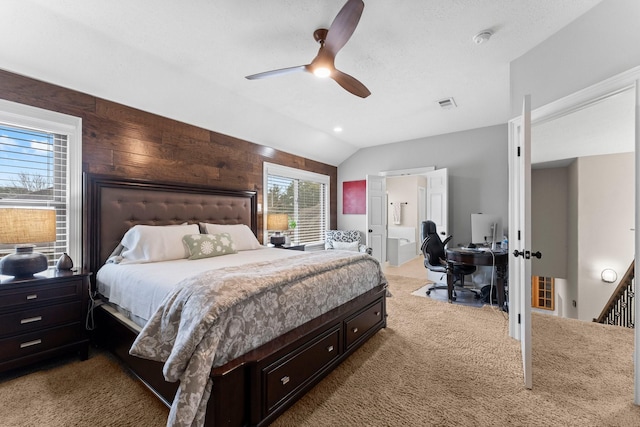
(303, 196)
(33, 173)
(41, 165)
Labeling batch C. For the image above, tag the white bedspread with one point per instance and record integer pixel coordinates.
(140, 288)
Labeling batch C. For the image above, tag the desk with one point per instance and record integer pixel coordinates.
(479, 258)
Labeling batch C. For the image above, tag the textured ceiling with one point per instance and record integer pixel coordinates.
(187, 60)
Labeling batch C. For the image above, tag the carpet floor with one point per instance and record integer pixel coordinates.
(436, 364)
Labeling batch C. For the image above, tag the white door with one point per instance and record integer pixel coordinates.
(422, 215)
(520, 237)
(438, 208)
(620, 82)
(636, 356)
(438, 200)
(377, 217)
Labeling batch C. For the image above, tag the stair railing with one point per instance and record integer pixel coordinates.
(619, 309)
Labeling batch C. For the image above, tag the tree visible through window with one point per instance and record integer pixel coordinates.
(303, 197)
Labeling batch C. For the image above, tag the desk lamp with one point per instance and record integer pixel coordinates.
(277, 223)
(23, 227)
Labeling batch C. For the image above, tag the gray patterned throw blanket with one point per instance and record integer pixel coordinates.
(216, 316)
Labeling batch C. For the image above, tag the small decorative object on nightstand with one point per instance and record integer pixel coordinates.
(65, 262)
(42, 317)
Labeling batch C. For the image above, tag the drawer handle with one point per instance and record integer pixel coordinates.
(32, 296)
(30, 320)
(30, 343)
(355, 330)
(330, 348)
(377, 313)
(284, 380)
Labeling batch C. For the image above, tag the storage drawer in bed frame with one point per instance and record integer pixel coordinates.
(287, 375)
(255, 388)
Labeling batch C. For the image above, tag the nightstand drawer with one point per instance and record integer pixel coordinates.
(32, 295)
(35, 342)
(40, 318)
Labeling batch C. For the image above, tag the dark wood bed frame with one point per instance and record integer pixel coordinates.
(258, 386)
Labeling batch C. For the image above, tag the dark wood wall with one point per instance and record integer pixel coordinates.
(122, 141)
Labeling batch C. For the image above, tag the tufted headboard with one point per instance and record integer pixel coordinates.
(113, 205)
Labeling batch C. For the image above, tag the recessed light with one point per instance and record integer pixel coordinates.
(337, 129)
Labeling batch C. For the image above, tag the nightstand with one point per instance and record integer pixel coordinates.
(42, 317)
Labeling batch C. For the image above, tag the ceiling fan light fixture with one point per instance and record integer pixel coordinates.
(322, 72)
(331, 41)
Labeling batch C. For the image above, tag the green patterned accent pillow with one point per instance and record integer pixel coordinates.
(209, 245)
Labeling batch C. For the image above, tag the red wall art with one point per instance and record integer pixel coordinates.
(354, 194)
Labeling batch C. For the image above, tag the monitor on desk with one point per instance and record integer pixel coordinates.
(486, 229)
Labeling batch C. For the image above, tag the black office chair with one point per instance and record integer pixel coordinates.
(435, 258)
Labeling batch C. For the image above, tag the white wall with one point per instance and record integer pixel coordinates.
(606, 215)
(582, 217)
(600, 44)
(403, 189)
(478, 173)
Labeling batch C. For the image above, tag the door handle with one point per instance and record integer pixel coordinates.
(370, 231)
(527, 254)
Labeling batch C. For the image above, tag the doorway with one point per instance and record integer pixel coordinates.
(566, 105)
(411, 197)
(583, 232)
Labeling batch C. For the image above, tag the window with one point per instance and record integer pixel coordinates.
(542, 292)
(40, 165)
(303, 196)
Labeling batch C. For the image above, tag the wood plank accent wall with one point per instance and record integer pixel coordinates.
(123, 141)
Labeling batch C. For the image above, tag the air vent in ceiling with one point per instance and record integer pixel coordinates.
(447, 103)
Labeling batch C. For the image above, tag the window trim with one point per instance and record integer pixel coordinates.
(26, 116)
(289, 172)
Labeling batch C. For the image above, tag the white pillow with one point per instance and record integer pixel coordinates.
(241, 234)
(151, 243)
(346, 246)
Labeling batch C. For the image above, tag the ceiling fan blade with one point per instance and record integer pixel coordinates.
(350, 84)
(279, 72)
(343, 26)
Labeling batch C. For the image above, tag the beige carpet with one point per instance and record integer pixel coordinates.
(435, 364)
(96, 393)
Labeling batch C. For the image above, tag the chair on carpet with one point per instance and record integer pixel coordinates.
(346, 240)
(435, 258)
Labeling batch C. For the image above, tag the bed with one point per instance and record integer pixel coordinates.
(253, 385)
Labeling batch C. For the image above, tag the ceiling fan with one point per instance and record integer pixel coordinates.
(331, 41)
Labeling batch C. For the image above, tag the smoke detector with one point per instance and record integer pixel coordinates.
(482, 36)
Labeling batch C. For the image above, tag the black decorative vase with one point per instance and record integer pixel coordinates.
(65, 262)
(24, 263)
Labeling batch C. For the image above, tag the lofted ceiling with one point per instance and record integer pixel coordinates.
(187, 61)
